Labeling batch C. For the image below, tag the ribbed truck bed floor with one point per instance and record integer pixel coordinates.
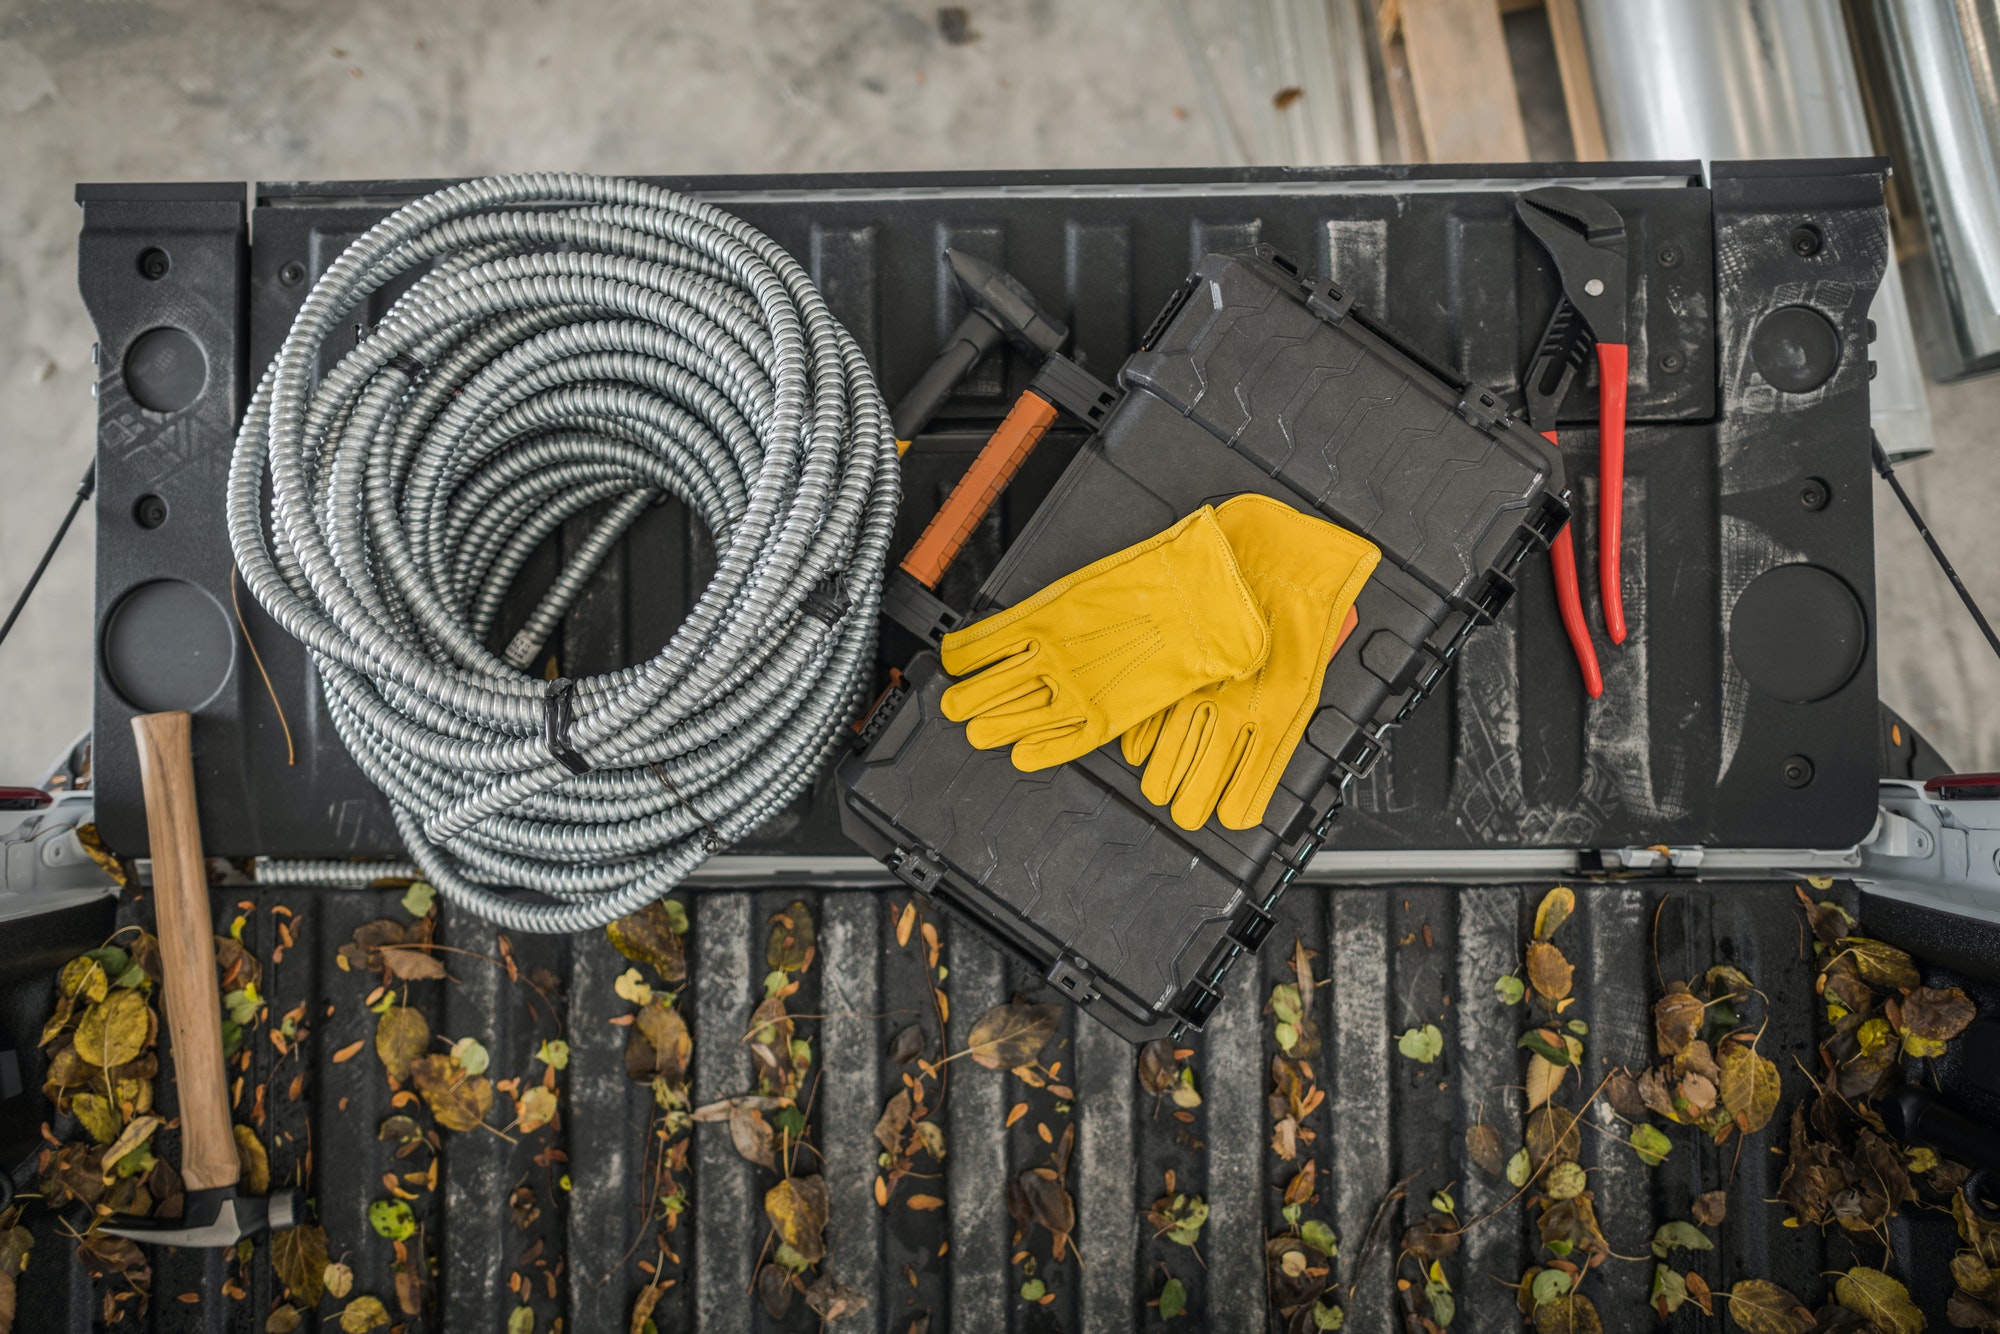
(1393, 958)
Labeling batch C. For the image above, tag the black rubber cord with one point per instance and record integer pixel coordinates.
(1964, 593)
(83, 492)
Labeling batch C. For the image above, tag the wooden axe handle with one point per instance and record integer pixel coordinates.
(187, 950)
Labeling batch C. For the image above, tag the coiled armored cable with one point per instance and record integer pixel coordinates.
(569, 342)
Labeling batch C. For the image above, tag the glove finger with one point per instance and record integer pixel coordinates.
(1056, 744)
(1210, 775)
(1183, 737)
(967, 651)
(1004, 727)
(1137, 742)
(1001, 686)
(1250, 788)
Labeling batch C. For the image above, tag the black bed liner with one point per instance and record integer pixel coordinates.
(1396, 956)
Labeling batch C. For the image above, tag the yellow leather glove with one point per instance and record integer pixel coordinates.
(1221, 749)
(1098, 651)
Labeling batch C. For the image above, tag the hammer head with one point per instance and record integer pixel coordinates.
(218, 1217)
(1006, 303)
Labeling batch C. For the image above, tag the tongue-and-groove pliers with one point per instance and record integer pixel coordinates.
(1586, 238)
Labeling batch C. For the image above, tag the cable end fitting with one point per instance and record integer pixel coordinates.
(558, 716)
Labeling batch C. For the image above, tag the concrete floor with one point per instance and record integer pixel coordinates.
(286, 89)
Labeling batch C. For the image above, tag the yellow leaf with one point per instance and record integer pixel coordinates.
(1882, 1299)
(906, 923)
(363, 1314)
(1750, 1086)
(536, 1108)
(1556, 907)
(402, 1034)
(113, 1031)
(338, 1280)
(97, 1115)
(632, 987)
(253, 1162)
(1544, 1079)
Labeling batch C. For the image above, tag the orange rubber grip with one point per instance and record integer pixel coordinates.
(998, 461)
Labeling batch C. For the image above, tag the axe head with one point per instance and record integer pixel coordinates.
(218, 1217)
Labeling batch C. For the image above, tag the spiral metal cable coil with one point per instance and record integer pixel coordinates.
(570, 342)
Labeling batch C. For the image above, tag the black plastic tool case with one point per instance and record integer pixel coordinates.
(1749, 392)
(1254, 377)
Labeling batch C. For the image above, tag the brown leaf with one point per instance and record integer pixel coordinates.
(105, 1255)
(659, 1045)
(1726, 980)
(648, 937)
(8, 1302)
(1482, 1146)
(752, 1136)
(1544, 1079)
(1813, 1174)
(409, 1291)
(402, 1034)
(1038, 1196)
(924, 1204)
(1699, 1292)
(1750, 1087)
(459, 1101)
(1711, 1208)
(1555, 909)
(1622, 1092)
(298, 1256)
(411, 964)
(1571, 1313)
(1829, 920)
(1881, 964)
(1880, 1185)
(792, 937)
(252, 1161)
(907, 1045)
(1289, 1276)
(1975, 1231)
(1937, 1015)
(1548, 971)
(894, 1122)
(833, 1301)
(1677, 1017)
(1435, 1236)
(797, 1208)
(1299, 1190)
(1157, 1067)
(1763, 1307)
(1552, 1132)
(282, 1320)
(1012, 1034)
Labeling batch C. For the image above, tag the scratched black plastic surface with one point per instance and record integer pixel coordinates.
(1386, 1117)
(1436, 255)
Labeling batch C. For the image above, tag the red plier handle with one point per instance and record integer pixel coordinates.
(1569, 602)
(1611, 372)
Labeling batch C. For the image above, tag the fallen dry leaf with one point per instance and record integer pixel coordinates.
(1712, 1208)
(925, 1203)
(298, 1257)
(252, 1162)
(894, 1122)
(411, 963)
(459, 1101)
(659, 1045)
(797, 1208)
(1012, 1034)
(1482, 1145)
(402, 1034)
(1554, 910)
(1544, 1079)
(1549, 972)
(753, 1138)
(1677, 1017)
(1760, 1306)
(648, 937)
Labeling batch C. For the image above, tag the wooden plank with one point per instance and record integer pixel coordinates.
(1586, 122)
(1463, 81)
(1396, 73)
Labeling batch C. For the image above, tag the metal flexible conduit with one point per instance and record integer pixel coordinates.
(570, 342)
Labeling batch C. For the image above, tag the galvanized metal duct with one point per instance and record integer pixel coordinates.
(1721, 79)
(1943, 65)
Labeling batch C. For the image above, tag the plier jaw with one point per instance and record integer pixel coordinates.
(1586, 238)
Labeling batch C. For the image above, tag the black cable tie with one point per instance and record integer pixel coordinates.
(557, 718)
(408, 365)
(828, 600)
